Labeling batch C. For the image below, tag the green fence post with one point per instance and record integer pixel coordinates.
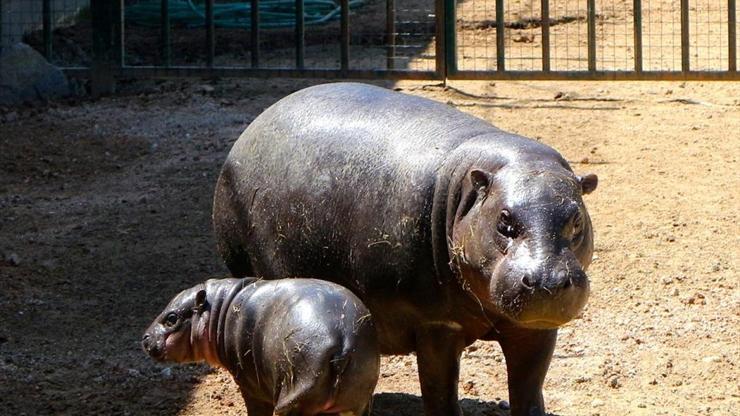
(107, 43)
(47, 28)
(685, 60)
(450, 39)
(731, 36)
(545, 6)
(591, 21)
(500, 33)
(637, 31)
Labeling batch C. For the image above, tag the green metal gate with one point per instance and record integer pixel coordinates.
(407, 39)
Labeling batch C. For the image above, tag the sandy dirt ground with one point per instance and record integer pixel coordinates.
(105, 214)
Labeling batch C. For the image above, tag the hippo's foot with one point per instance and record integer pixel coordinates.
(438, 349)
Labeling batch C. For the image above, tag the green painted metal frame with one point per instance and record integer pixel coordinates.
(46, 28)
(108, 50)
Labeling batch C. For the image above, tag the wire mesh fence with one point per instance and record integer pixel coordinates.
(391, 38)
(55, 28)
(554, 35)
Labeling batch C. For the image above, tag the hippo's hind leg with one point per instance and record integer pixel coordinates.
(231, 225)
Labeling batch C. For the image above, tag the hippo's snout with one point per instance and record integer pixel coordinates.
(151, 347)
(542, 294)
(561, 278)
(553, 299)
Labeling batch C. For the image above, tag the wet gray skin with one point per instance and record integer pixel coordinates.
(449, 229)
(294, 346)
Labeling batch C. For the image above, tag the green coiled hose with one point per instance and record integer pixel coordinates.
(273, 13)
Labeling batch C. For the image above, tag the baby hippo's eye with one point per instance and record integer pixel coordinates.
(505, 225)
(171, 319)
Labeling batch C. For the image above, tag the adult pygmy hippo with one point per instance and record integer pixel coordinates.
(295, 346)
(449, 229)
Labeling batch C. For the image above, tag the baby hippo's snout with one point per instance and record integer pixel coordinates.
(150, 347)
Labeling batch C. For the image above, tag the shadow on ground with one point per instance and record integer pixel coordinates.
(403, 404)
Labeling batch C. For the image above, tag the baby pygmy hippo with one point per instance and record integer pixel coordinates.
(294, 346)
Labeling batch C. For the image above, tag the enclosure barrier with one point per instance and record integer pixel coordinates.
(405, 39)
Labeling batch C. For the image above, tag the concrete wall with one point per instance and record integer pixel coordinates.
(21, 16)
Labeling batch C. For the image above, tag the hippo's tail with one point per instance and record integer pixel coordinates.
(230, 219)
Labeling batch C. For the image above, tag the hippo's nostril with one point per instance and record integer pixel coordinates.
(528, 282)
(145, 342)
(567, 283)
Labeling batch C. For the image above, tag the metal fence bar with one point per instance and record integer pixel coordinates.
(165, 33)
(685, 65)
(344, 30)
(450, 36)
(46, 23)
(107, 45)
(255, 33)
(732, 35)
(210, 34)
(591, 21)
(300, 35)
(545, 6)
(440, 38)
(145, 72)
(637, 33)
(500, 53)
(119, 42)
(390, 33)
(597, 75)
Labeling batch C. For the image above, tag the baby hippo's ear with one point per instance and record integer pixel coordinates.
(200, 300)
(588, 183)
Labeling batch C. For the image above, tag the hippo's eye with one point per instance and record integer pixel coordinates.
(505, 225)
(171, 319)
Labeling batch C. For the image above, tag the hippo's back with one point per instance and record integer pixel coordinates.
(330, 171)
(351, 122)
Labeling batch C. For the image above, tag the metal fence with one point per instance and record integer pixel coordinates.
(592, 39)
(393, 39)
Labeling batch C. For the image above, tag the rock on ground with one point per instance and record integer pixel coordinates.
(25, 76)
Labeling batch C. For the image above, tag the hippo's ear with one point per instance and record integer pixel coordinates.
(200, 300)
(474, 189)
(588, 182)
(480, 179)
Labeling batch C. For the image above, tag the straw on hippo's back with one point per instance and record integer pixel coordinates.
(294, 346)
(449, 229)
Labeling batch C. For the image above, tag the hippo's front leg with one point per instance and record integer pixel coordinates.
(528, 353)
(438, 350)
(256, 407)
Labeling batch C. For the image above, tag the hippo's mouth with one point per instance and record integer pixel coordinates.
(156, 352)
